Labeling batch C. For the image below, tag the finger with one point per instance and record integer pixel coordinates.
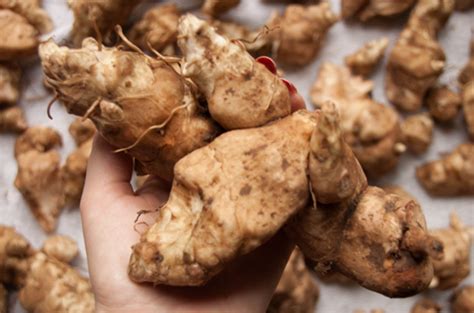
(297, 101)
(268, 63)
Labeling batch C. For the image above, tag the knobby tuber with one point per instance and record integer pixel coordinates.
(466, 81)
(12, 120)
(39, 176)
(3, 299)
(15, 252)
(298, 34)
(98, 17)
(451, 175)
(454, 266)
(218, 7)
(367, 9)
(297, 291)
(137, 103)
(157, 29)
(240, 91)
(356, 229)
(417, 59)
(363, 61)
(32, 11)
(9, 84)
(417, 132)
(370, 128)
(18, 37)
(81, 130)
(426, 305)
(443, 104)
(61, 248)
(462, 300)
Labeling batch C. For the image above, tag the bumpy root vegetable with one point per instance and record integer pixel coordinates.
(61, 248)
(38, 177)
(12, 120)
(366, 9)
(363, 61)
(451, 175)
(240, 92)
(53, 286)
(454, 266)
(297, 291)
(32, 11)
(218, 7)
(81, 130)
(15, 251)
(18, 37)
(3, 299)
(9, 84)
(426, 305)
(99, 17)
(466, 80)
(158, 28)
(137, 103)
(417, 132)
(207, 221)
(443, 104)
(370, 128)
(417, 59)
(462, 300)
(357, 229)
(299, 33)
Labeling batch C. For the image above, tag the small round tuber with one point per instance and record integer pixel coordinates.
(363, 61)
(61, 248)
(417, 132)
(443, 104)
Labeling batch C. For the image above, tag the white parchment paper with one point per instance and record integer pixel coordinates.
(342, 39)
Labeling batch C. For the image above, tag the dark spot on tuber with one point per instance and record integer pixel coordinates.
(245, 190)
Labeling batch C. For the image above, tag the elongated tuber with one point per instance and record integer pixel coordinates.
(81, 130)
(297, 291)
(370, 128)
(240, 92)
(367, 9)
(12, 120)
(218, 7)
(299, 33)
(137, 103)
(417, 59)
(363, 61)
(73, 172)
(426, 305)
(9, 84)
(18, 37)
(38, 177)
(462, 300)
(3, 299)
(443, 104)
(466, 82)
(417, 132)
(451, 175)
(61, 248)
(32, 11)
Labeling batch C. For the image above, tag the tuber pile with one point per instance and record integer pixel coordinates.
(297, 291)
(370, 128)
(32, 11)
(417, 132)
(218, 7)
(451, 175)
(363, 61)
(367, 9)
(443, 104)
(462, 300)
(426, 305)
(466, 81)
(417, 60)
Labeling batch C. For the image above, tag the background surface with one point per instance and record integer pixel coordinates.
(342, 39)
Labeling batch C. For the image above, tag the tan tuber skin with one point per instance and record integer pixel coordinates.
(417, 132)
(297, 291)
(18, 37)
(61, 248)
(370, 128)
(462, 300)
(452, 175)
(32, 11)
(426, 305)
(218, 7)
(417, 60)
(443, 104)
(367, 9)
(3, 299)
(240, 91)
(12, 120)
(466, 82)
(298, 34)
(137, 103)
(10, 76)
(363, 61)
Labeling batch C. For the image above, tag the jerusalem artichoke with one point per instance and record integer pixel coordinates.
(451, 175)
(18, 37)
(32, 11)
(218, 7)
(466, 81)
(443, 104)
(367, 9)
(426, 305)
(417, 132)
(462, 300)
(12, 120)
(363, 61)
(9, 84)
(81, 130)
(61, 248)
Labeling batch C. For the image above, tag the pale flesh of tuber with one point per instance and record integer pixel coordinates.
(61, 248)
(466, 81)
(363, 61)
(32, 11)
(218, 7)
(426, 305)
(462, 300)
(9, 84)
(12, 120)
(443, 104)
(18, 37)
(367, 9)
(417, 132)
(451, 175)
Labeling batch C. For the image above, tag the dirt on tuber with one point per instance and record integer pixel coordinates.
(364, 60)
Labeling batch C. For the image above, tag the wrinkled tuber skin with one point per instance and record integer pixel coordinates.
(32, 11)
(358, 230)
(158, 28)
(15, 251)
(297, 291)
(370, 128)
(240, 92)
(54, 286)
(61, 248)
(10, 76)
(455, 263)
(367, 9)
(39, 176)
(299, 33)
(443, 104)
(218, 7)
(466, 81)
(136, 102)
(208, 222)
(462, 300)
(463, 5)
(18, 38)
(104, 13)
(417, 132)
(12, 120)
(363, 61)
(452, 175)
(3, 299)
(81, 130)
(426, 305)
(417, 60)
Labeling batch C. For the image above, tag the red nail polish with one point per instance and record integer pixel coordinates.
(268, 63)
(291, 88)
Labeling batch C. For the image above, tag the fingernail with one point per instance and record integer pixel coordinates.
(291, 88)
(268, 63)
